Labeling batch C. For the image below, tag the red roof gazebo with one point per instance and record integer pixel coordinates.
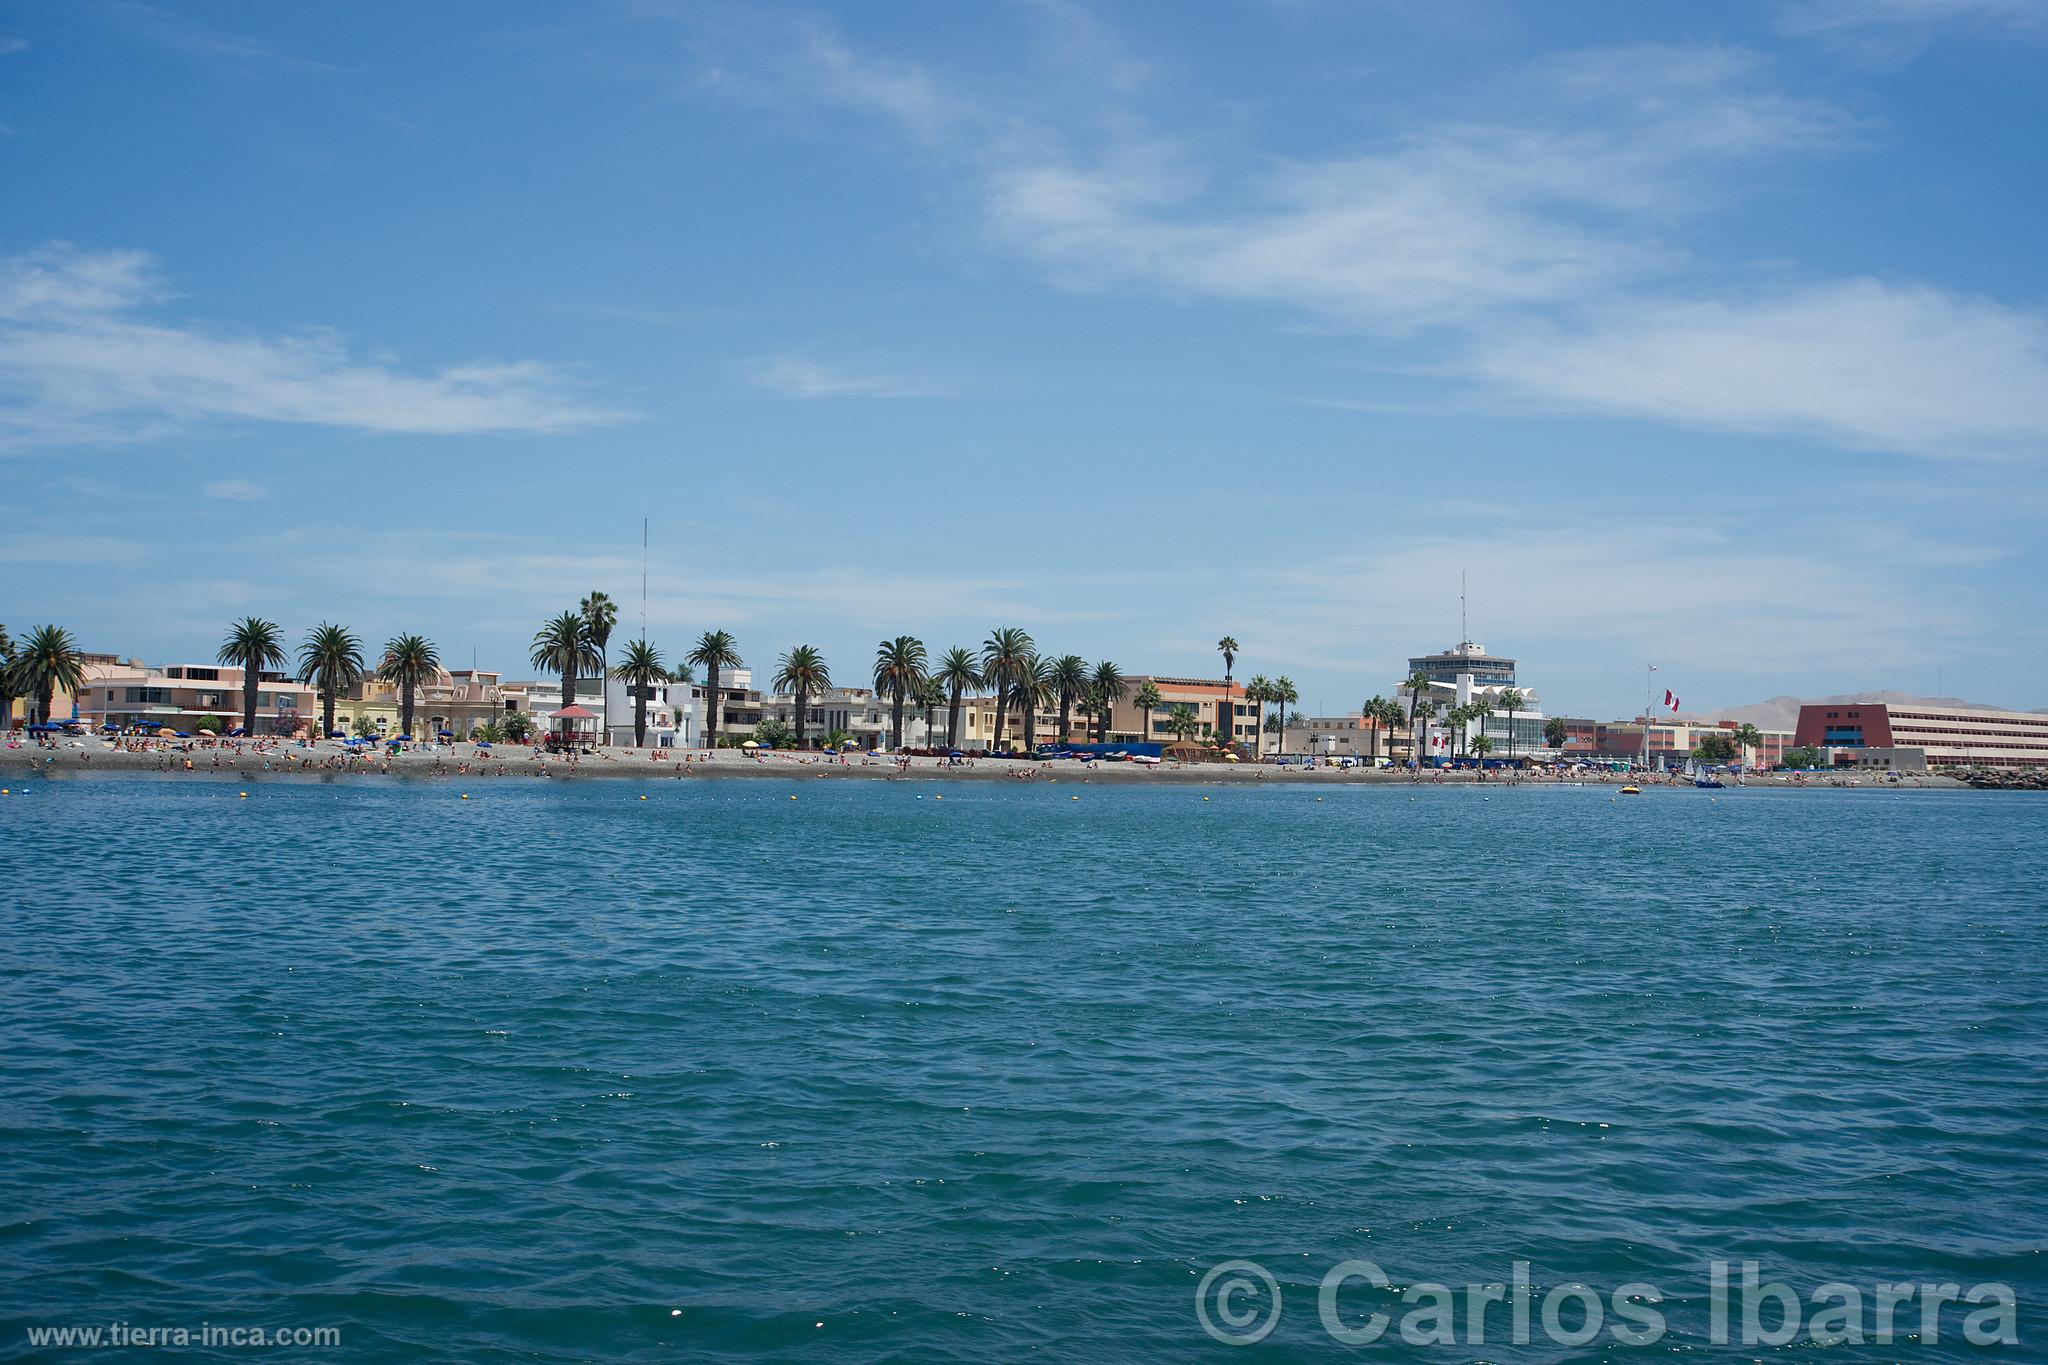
(573, 725)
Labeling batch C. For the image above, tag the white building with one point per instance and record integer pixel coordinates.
(1459, 676)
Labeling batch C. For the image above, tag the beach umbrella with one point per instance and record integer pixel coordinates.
(167, 733)
(445, 734)
(403, 739)
(483, 744)
(182, 735)
(749, 744)
(337, 734)
(955, 753)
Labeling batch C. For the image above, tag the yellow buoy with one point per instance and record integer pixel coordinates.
(465, 796)
(792, 796)
(643, 798)
(1073, 798)
(245, 796)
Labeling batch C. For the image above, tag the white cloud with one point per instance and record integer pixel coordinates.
(81, 361)
(1855, 361)
(1833, 16)
(236, 490)
(9, 46)
(790, 376)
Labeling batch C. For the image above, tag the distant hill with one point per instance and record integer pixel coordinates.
(1782, 713)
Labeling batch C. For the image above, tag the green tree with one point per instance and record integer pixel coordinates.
(1226, 722)
(1511, 701)
(364, 726)
(1555, 733)
(899, 668)
(1070, 683)
(1282, 692)
(1148, 702)
(1034, 693)
(715, 651)
(410, 662)
(207, 725)
(957, 672)
(640, 669)
(564, 646)
(7, 689)
(1805, 756)
(331, 660)
(836, 738)
(1255, 699)
(1371, 713)
(1181, 722)
(1417, 687)
(928, 698)
(1715, 748)
(518, 726)
(1105, 689)
(253, 644)
(489, 732)
(1481, 747)
(600, 615)
(774, 733)
(1005, 657)
(44, 662)
(1751, 738)
(803, 673)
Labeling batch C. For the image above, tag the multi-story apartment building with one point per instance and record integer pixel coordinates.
(1948, 736)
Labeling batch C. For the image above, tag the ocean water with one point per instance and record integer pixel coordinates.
(558, 1073)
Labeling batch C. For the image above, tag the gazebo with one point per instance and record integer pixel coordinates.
(572, 727)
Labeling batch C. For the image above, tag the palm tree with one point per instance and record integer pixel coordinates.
(7, 692)
(957, 672)
(1225, 710)
(1106, 687)
(1369, 714)
(836, 738)
(1035, 692)
(1417, 687)
(899, 668)
(802, 671)
(1069, 681)
(1282, 690)
(600, 614)
(641, 669)
(331, 659)
(1147, 701)
(410, 662)
(490, 732)
(253, 644)
(47, 660)
(1511, 701)
(929, 697)
(715, 650)
(1255, 700)
(1005, 656)
(1746, 735)
(1181, 721)
(1481, 747)
(564, 646)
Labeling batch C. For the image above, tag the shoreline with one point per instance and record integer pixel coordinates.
(460, 761)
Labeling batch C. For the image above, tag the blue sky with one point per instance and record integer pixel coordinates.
(1714, 335)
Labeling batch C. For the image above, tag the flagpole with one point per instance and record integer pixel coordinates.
(1648, 687)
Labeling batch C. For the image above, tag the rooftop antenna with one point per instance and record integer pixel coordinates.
(643, 580)
(1464, 632)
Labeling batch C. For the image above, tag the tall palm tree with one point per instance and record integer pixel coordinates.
(1417, 686)
(46, 661)
(1749, 737)
(714, 652)
(1283, 691)
(1369, 714)
(1005, 656)
(7, 689)
(1147, 701)
(1069, 681)
(331, 660)
(899, 668)
(1511, 701)
(1226, 709)
(930, 696)
(641, 669)
(410, 662)
(801, 671)
(1257, 692)
(564, 646)
(253, 644)
(1035, 692)
(1106, 687)
(600, 614)
(957, 672)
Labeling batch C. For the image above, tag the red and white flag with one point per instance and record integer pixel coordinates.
(1671, 700)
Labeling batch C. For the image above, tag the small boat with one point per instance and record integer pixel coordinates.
(1709, 783)
(1631, 790)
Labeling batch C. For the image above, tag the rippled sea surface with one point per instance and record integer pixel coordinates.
(560, 1073)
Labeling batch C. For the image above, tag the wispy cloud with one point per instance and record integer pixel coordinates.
(10, 45)
(1539, 259)
(81, 360)
(180, 33)
(236, 490)
(790, 376)
(1836, 16)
